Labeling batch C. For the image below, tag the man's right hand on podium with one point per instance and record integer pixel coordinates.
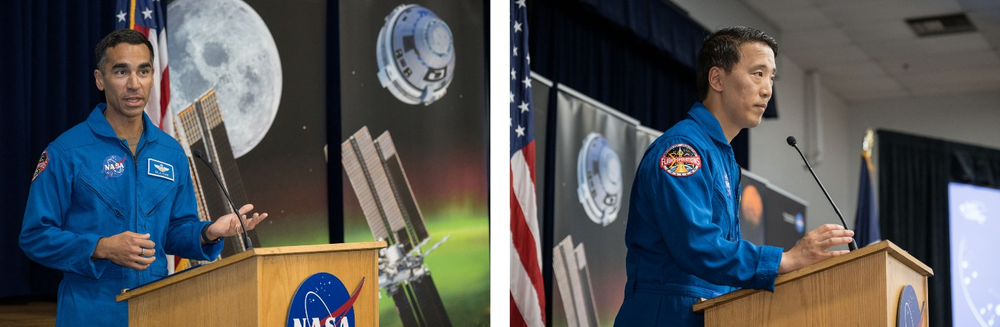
(813, 247)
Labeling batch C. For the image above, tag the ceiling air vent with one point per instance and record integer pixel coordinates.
(940, 25)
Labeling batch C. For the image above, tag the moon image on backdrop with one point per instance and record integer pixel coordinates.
(226, 45)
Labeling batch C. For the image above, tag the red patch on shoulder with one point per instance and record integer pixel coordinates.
(43, 162)
(680, 160)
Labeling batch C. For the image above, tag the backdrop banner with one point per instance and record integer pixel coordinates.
(240, 59)
(595, 159)
(412, 77)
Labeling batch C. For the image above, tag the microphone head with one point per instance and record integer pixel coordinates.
(197, 153)
(790, 140)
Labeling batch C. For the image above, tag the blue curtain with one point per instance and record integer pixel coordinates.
(47, 86)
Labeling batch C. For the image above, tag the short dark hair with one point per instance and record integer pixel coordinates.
(118, 37)
(722, 49)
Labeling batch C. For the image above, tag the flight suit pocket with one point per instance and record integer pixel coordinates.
(158, 194)
(101, 204)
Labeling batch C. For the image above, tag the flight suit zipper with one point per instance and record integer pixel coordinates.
(136, 275)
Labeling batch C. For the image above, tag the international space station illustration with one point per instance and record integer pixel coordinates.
(569, 266)
(387, 201)
(201, 127)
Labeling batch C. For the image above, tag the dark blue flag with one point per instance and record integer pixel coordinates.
(866, 230)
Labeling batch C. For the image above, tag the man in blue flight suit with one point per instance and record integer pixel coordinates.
(683, 234)
(113, 194)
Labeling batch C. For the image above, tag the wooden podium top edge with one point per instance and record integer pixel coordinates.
(886, 245)
(266, 251)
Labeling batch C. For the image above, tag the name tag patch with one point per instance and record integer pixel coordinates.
(160, 169)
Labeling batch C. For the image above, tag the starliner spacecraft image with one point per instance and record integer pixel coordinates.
(387, 201)
(416, 55)
(599, 179)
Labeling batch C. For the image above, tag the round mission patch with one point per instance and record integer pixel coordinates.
(43, 162)
(680, 160)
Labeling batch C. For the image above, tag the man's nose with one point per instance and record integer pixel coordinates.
(132, 81)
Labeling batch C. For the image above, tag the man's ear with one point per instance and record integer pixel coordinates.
(98, 78)
(715, 78)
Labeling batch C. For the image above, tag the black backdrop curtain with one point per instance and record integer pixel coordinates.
(914, 173)
(47, 87)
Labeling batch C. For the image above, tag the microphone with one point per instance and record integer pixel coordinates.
(245, 235)
(791, 141)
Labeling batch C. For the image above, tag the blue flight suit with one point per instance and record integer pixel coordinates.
(91, 186)
(683, 234)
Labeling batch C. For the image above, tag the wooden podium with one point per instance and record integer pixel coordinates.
(861, 288)
(255, 287)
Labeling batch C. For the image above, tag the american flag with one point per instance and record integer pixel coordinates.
(147, 17)
(527, 294)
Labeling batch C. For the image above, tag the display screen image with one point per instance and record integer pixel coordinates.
(974, 218)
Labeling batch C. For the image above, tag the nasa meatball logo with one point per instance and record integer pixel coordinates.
(323, 301)
(680, 160)
(114, 166)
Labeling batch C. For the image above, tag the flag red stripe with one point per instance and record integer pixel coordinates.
(516, 319)
(529, 156)
(142, 29)
(164, 96)
(524, 243)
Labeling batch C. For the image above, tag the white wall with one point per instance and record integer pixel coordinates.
(780, 164)
(965, 118)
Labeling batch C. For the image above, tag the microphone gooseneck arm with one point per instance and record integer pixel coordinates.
(245, 235)
(791, 141)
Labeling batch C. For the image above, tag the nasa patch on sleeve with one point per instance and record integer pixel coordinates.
(680, 160)
(43, 162)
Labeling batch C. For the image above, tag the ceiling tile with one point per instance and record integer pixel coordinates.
(952, 78)
(845, 87)
(916, 64)
(791, 19)
(846, 13)
(860, 47)
(877, 32)
(861, 96)
(852, 70)
(979, 4)
(926, 46)
(985, 18)
(809, 38)
(766, 6)
(811, 58)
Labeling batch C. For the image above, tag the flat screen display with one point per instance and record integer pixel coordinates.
(974, 218)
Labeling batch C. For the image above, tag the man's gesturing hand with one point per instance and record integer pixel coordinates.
(228, 225)
(126, 249)
(812, 248)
